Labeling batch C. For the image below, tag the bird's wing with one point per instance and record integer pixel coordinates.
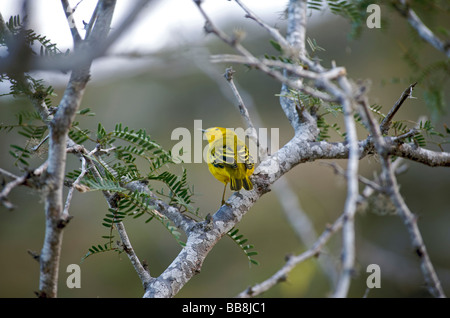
(243, 155)
(222, 154)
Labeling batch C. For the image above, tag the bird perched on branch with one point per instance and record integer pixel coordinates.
(228, 159)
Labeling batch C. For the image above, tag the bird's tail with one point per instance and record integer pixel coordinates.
(238, 184)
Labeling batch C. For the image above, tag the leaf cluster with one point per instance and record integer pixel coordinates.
(128, 152)
(20, 34)
(19, 40)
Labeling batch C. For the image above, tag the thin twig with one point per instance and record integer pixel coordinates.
(17, 181)
(424, 32)
(242, 108)
(275, 33)
(71, 21)
(386, 123)
(90, 25)
(339, 170)
(292, 68)
(143, 273)
(211, 28)
(293, 261)
(65, 213)
(9, 186)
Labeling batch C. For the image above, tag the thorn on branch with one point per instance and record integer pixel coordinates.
(127, 249)
(35, 255)
(208, 223)
(41, 294)
(114, 199)
(406, 135)
(288, 257)
(303, 115)
(62, 223)
(229, 73)
(145, 266)
(263, 186)
(208, 27)
(249, 291)
(419, 251)
(282, 278)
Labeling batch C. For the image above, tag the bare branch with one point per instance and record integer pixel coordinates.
(293, 261)
(294, 83)
(418, 154)
(386, 123)
(9, 186)
(337, 169)
(69, 16)
(292, 68)
(242, 108)
(65, 213)
(348, 230)
(275, 33)
(142, 272)
(424, 32)
(296, 29)
(181, 220)
(26, 179)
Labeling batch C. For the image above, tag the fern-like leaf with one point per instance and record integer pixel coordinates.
(242, 243)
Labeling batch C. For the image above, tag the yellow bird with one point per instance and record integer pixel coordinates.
(228, 159)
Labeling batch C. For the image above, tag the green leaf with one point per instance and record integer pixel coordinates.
(245, 248)
(276, 46)
(84, 111)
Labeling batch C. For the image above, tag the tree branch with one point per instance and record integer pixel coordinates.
(9, 186)
(386, 123)
(410, 221)
(55, 218)
(242, 109)
(424, 32)
(70, 20)
(293, 261)
(142, 272)
(348, 230)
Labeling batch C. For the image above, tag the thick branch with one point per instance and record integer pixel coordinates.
(418, 154)
(59, 127)
(55, 218)
(296, 29)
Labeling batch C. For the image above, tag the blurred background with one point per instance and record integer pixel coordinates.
(158, 77)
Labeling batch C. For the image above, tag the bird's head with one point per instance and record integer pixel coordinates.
(215, 133)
